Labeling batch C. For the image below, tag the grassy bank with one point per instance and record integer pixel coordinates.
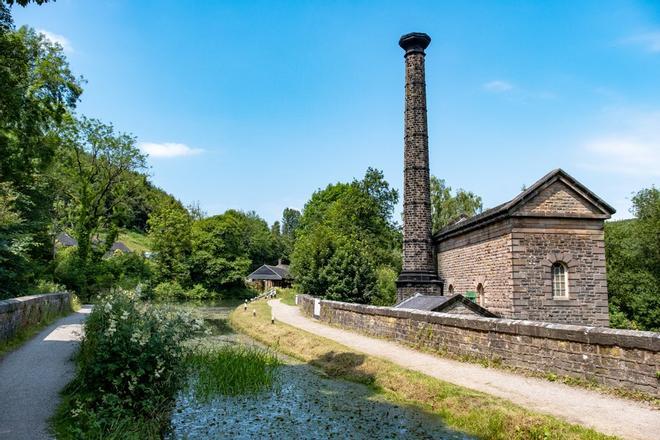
(462, 409)
(287, 296)
(27, 333)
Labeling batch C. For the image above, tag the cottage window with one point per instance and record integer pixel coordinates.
(451, 289)
(559, 280)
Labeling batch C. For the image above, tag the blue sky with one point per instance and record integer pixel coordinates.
(254, 105)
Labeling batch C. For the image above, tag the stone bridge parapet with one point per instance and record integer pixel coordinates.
(619, 358)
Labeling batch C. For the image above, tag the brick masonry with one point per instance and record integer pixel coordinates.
(419, 273)
(512, 258)
(619, 358)
(19, 313)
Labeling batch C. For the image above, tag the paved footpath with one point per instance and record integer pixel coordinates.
(32, 376)
(610, 415)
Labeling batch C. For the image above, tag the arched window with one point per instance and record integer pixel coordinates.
(451, 289)
(559, 280)
(480, 294)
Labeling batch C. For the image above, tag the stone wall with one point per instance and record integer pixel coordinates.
(559, 198)
(483, 260)
(620, 358)
(583, 253)
(19, 313)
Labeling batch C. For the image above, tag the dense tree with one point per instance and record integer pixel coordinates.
(290, 221)
(96, 168)
(226, 247)
(289, 226)
(633, 264)
(346, 234)
(37, 91)
(170, 231)
(447, 208)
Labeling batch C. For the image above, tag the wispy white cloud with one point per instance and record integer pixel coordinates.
(168, 149)
(649, 41)
(498, 86)
(58, 39)
(631, 148)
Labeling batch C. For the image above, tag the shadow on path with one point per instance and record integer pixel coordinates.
(32, 376)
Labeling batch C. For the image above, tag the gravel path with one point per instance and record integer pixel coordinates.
(610, 415)
(32, 376)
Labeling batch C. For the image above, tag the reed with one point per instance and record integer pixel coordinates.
(230, 370)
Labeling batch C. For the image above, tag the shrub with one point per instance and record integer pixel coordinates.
(198, 292)
(128, 270)
(46, 286)
(168, 290)
(130, 366)
(385, 287)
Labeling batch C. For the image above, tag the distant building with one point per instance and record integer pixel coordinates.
(268, 276)
(117, 248)
(65, 240)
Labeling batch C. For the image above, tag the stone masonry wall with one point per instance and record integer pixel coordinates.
(583, 253)
(19, 313)
(487, 263)
(558, 198)
(620, 358)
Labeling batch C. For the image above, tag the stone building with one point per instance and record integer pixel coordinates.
(540, 256)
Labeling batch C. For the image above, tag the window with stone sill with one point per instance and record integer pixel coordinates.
(559, 280)
(451, 289)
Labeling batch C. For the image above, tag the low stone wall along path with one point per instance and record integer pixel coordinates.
(623, 418)
(32, 376)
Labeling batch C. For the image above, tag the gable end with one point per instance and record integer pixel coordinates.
(559, 199)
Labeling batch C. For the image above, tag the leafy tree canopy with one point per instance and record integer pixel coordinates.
(37, 91)
(633, 264)
(346, 234)
(447, 208)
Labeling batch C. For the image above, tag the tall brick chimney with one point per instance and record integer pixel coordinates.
(419, 273)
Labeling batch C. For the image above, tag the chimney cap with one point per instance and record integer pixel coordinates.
(414, 42)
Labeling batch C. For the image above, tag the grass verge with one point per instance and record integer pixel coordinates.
(136, 241)
(27, 333)
(287, 296)
(472, 412)
(230, 370)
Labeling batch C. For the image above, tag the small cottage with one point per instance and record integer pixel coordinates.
(268, 276)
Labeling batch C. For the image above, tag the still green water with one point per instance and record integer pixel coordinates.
(303, 403)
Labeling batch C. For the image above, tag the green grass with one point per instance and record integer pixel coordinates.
(472, 412)
(287, 296)
(136, 241)
(230, 370)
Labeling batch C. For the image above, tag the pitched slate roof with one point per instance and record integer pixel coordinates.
(507, 208)
(66, 240)
(268, 272)
(119, 246)
(433, 303)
